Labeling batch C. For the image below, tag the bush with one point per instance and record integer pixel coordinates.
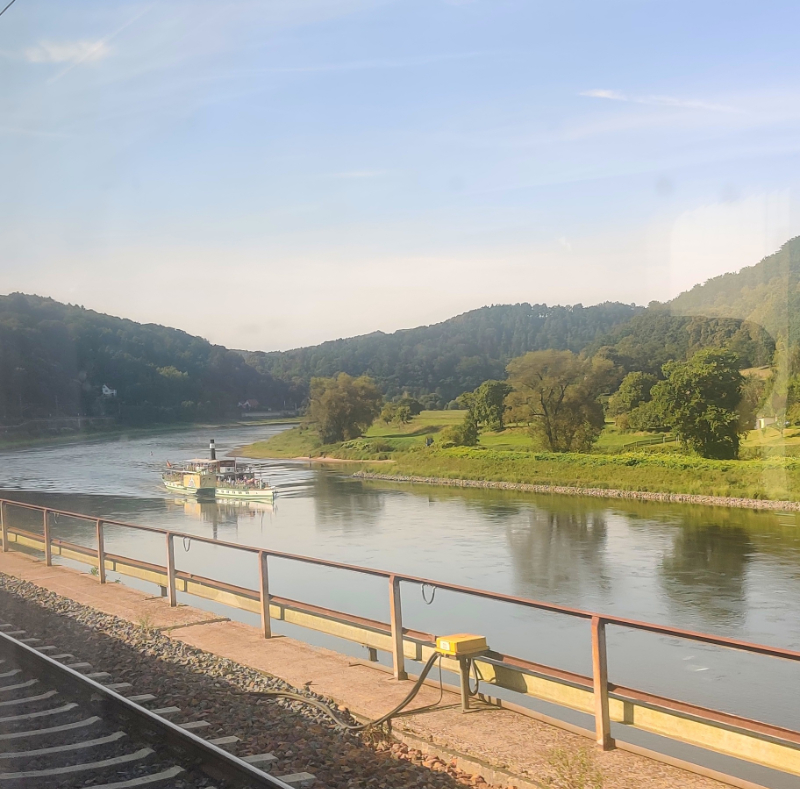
(463, 435)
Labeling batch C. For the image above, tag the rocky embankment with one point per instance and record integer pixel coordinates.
(603, 493)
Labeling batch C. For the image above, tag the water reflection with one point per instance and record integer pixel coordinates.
(558, 553)
(705, 573)
(346, 504)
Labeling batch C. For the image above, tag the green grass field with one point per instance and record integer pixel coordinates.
(510, 456)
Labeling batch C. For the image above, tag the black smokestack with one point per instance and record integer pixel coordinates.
(212, 449)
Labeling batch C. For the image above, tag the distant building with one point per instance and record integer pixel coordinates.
(109, 392)
(765, 421)
(249, 405)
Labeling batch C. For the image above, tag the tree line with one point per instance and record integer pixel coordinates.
(55, 359)
(441, 362)
(559, 396)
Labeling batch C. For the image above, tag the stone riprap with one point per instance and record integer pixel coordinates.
(603, 493)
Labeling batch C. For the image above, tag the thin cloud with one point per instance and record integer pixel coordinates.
(67, 51)
(655, 100)
(102, 43)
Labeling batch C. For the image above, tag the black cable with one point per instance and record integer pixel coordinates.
(378, 721)
(433, 594)
(7, 7)
(477, 672)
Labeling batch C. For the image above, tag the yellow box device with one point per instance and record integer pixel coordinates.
(461, 645)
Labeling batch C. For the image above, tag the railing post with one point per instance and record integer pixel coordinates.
(101, 552)
(602, 722)
(171, 596)
(398, 657)
(4, 523)
(263, 576)
(48, 556)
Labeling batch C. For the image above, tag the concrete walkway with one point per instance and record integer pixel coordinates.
(505, 747)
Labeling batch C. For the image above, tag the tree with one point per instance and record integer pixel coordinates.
(402, 414)
(463, 435)
(387, 413)
(343, 407)
(555, 393)
(490, 404)
(413, 405)
(700, 401)
(633, 391)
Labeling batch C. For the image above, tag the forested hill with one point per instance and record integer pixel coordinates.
(654, 337)
(55, 359)
(454, 356)
(767, 294)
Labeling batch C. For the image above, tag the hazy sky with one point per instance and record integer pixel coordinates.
(274, 173)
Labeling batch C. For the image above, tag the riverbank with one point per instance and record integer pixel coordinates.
(644, 473)
(605, 493)
(630, 475)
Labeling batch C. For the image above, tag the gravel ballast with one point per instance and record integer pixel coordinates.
(225, 694)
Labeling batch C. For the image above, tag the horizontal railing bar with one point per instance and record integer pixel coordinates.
(705, 714)
(667, 630)
(705, 638)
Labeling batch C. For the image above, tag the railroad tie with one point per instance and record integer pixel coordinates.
(142, 698)
(192, 725)
(119, 686)
(264, 761)
(144, 780)
(298, 780)
(164, 711)
(221, 741)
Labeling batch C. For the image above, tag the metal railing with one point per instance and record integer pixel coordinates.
(597, 684)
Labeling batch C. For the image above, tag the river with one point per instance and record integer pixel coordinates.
(724, 571)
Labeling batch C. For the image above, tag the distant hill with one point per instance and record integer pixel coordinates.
(454, 356)
(55, 359)
(767, 294)
(656, 336)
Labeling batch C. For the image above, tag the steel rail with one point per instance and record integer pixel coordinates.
(577, 613)
(148, 726)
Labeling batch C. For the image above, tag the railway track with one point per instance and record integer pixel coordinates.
(64, 725)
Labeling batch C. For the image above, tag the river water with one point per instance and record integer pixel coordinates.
(723, 571)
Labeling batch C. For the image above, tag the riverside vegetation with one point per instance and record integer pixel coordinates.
(507, 456)
(557, 408)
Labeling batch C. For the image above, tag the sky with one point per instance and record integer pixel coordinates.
(275, 173)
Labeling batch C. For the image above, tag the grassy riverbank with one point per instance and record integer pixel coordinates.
(508, 457)
(774, 478)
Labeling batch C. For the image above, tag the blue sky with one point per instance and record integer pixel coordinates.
(277, 173)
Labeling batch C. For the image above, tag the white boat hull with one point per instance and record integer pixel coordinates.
(177, 487)
(245, 494)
